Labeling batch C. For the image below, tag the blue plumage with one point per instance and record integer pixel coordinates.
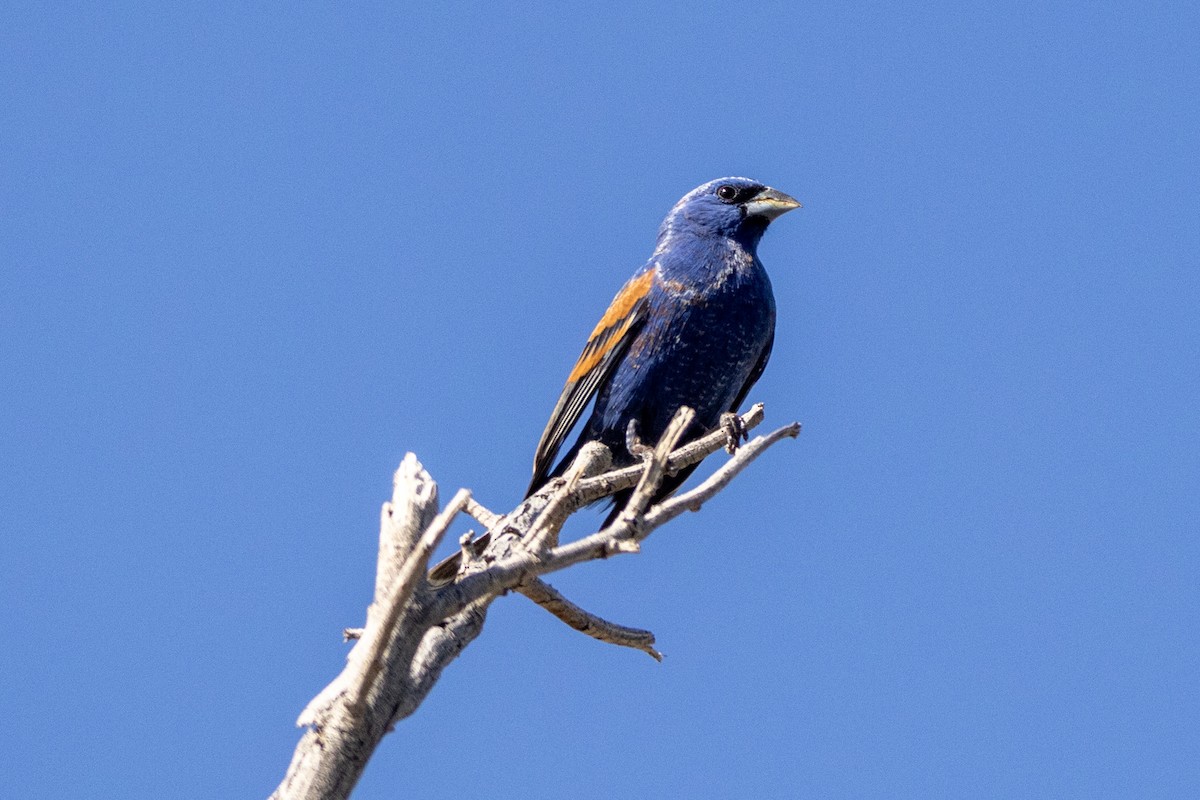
(693, 327)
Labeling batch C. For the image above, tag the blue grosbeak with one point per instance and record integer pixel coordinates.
(693, 327)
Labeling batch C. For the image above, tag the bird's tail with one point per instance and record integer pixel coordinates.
(540, 478)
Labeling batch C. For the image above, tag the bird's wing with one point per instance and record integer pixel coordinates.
(755, 373)
(600, 355)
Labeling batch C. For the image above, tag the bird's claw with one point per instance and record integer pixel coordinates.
(634, 443)
(735, 431)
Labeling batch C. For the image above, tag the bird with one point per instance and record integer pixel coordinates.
(693, 327)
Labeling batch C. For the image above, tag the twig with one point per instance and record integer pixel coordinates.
(376, 636)
(592, 458)
(693, 499)
(656, 466)
(509, 570)
(585, 622)
(416, 627)
(402, 520)
(592, 489)
(481, 515)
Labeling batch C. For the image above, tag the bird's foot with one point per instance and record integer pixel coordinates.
(634, 444)
(735, 431)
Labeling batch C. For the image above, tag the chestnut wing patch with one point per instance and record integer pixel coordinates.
(607, 343)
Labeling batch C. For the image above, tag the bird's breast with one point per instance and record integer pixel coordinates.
(700, 342)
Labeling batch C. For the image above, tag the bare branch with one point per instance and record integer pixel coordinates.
(482, 515)
(692, 500)
(417, 625)
(601, 486)
(553, 601)
(507, 572)
(375, 638)
(592, 458)
(403, 519)
(656, 466)
(401, 523)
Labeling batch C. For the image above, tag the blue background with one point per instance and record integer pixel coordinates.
(253, 256)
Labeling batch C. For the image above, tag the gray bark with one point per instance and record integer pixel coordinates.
(419, 621)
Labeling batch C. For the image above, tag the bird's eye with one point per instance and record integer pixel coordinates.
(727, 193)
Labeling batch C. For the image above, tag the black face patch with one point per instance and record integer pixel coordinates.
(732, 194)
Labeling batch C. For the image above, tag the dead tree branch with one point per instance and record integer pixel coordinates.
(585, 622)
(418, 623)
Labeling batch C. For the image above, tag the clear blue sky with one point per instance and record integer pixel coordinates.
(252, 257)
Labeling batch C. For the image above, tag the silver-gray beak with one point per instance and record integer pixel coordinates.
(770, 203)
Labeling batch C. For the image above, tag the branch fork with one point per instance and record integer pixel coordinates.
(420, 620)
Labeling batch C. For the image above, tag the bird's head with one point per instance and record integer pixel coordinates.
(735, 208)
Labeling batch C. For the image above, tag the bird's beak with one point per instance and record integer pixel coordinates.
(770, 203)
